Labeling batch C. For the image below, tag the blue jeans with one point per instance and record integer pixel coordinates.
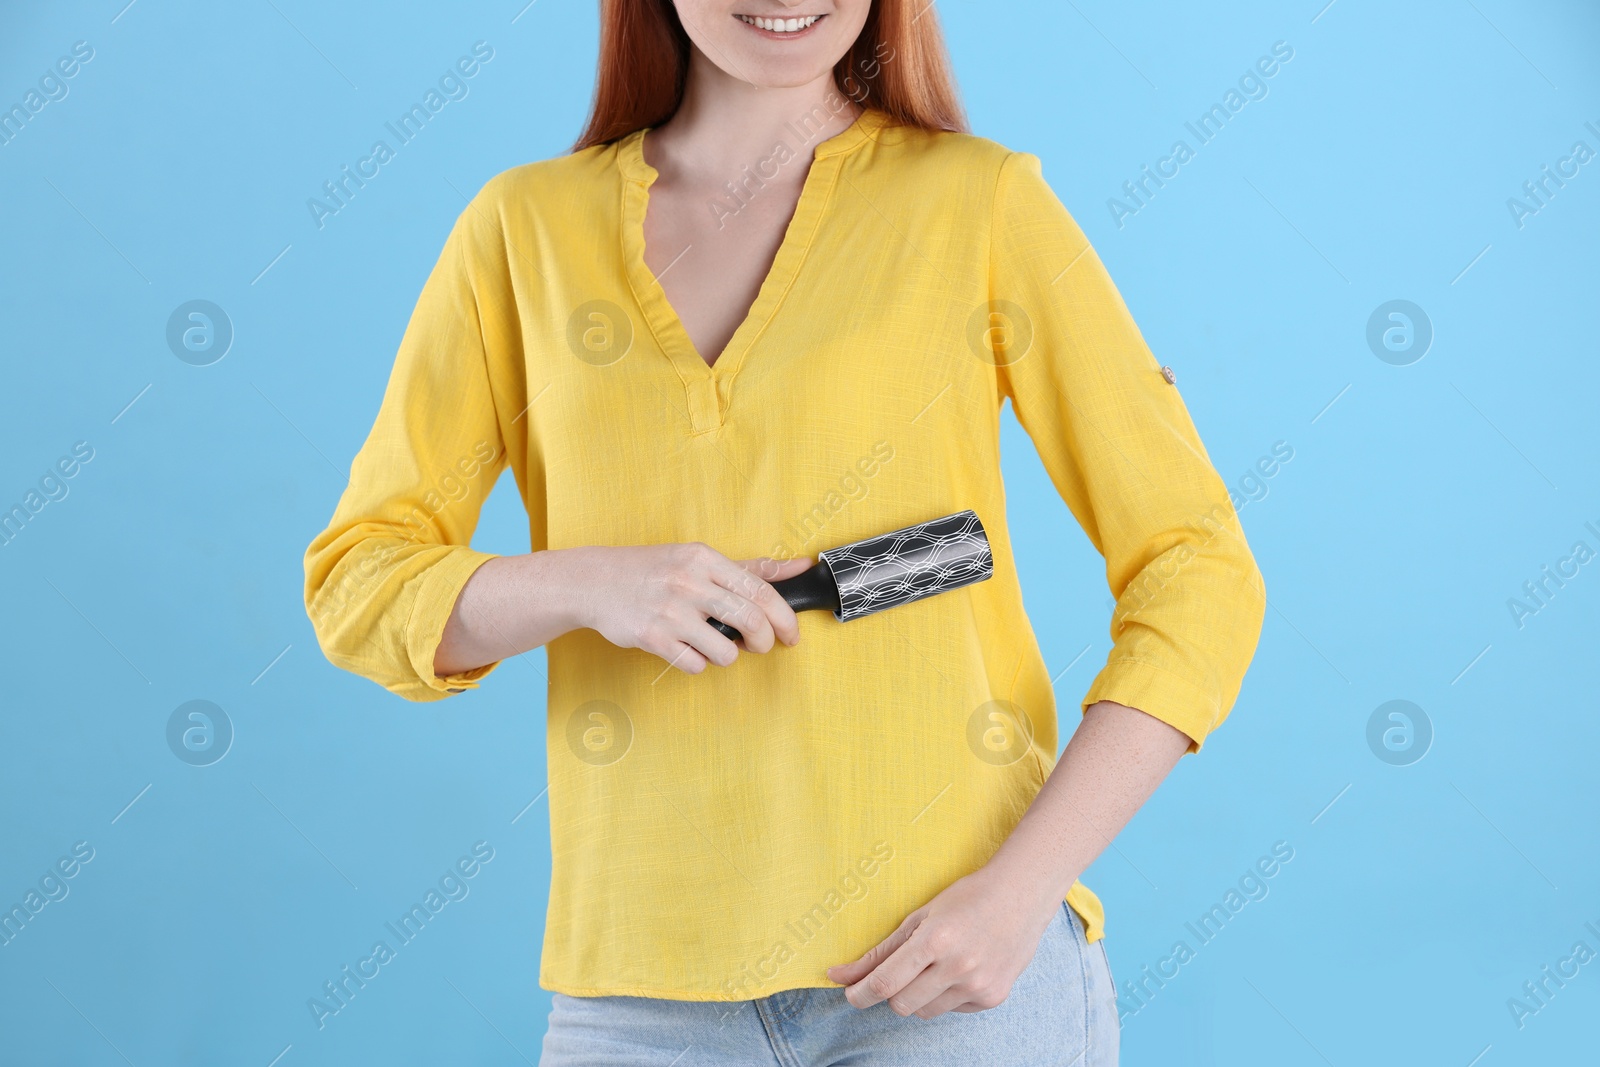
(1062, 1010)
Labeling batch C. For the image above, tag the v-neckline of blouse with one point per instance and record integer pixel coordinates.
(652, 300)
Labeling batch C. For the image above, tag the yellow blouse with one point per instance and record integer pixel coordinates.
(735, 833)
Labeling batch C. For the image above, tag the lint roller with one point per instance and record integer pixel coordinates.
(889, 570)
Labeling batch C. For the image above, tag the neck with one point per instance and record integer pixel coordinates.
(725, 123)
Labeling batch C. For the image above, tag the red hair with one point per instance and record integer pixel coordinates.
(897, 65)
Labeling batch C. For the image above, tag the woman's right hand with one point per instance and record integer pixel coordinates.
(658, 598)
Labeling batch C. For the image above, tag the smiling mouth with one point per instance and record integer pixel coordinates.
(785, 27)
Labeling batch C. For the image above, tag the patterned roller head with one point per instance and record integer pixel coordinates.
(906, 565)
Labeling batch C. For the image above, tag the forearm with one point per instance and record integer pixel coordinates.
(511, 604)
(1112, 765)
(651, 597)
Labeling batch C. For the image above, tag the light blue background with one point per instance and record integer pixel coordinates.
(1377, 168)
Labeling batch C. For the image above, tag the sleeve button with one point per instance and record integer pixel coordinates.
(1166, 372)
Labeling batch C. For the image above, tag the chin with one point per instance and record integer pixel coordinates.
(777, 65)
(769, 75)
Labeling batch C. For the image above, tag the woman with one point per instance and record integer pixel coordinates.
(771, 303)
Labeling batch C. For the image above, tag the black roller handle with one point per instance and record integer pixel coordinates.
(810, 590)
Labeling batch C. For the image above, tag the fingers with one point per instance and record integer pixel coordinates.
(922, 969)
(776, 570)
(780, 617)
(747, 601)
(851, 973)
(702, 638)
(704, 584)
(931, 985)
(733, 607)
(692, 629)
(890, 979)
(954, 998)
(899, 967)
(684, 657)
(660, 640)
(927, 976)
(960, 974)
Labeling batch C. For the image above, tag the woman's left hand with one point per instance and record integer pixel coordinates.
(961, 951)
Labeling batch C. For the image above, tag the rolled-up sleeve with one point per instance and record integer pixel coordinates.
(382, 579)
(1122, 451)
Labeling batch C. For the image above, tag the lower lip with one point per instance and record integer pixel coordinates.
(769, 35)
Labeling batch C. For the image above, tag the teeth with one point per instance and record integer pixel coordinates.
(779, 25)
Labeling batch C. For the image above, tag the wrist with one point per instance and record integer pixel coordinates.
(553, 579)
(1023, 878)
